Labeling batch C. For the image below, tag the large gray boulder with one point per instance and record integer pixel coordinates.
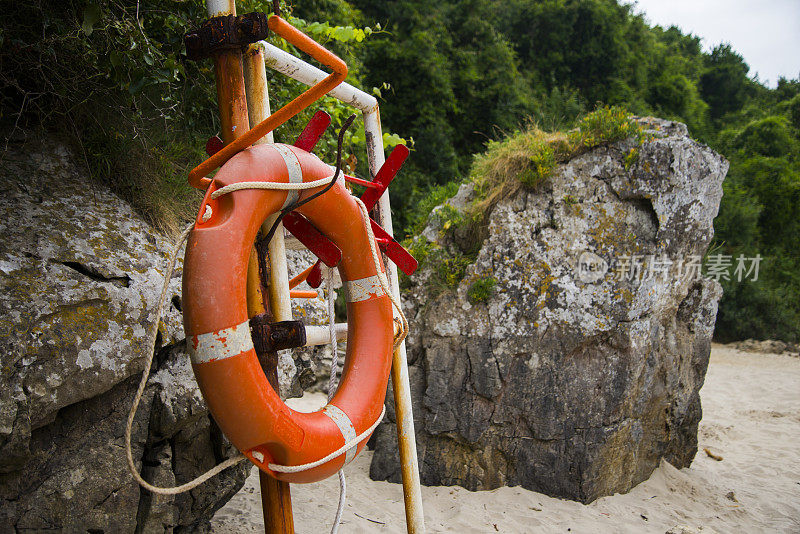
(575, 375)
(80, 276)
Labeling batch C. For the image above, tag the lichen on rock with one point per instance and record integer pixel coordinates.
(568, 378)
(80, 278)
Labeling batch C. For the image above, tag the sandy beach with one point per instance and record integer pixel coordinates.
(751, 421)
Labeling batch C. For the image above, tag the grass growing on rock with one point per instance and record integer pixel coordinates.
(149, 172)
(605, 125)
(448, 265)
(528, 158)
(481, 290)
(525, 159)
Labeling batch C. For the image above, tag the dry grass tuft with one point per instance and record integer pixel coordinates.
(525, 159)
(149, 171)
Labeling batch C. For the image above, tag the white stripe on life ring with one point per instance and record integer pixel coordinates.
(363, 289)
(295, 172)
(346, 427)
(222, 344)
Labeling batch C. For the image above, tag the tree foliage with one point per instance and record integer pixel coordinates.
(454, 76)
(112, 75)
(550, 61)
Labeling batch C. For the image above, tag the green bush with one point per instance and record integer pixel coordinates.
(758, 310)
(769, 137)
(605, 125)
(112, 76)
(447, 266)
(794, 111)
(543, 161)
(450, 217)
(422, 209)
(760, 214)
(481, 290)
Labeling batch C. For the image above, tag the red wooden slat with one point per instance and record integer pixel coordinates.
(395, 252)
(385, 175)
(315, 276)
(313, 131)
(312, 239)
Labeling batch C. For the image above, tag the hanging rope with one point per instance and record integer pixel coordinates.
(151, 338)
(333, 382)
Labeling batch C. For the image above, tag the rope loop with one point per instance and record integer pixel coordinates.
(335, 454)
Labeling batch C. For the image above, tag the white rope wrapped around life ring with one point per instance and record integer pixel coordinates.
(153, 333)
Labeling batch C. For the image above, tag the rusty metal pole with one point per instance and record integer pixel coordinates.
(234, 120)
(276, 498)
(231, 98)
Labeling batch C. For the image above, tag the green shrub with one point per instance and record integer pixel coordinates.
(758, 310)
(450, 217)
(769, 137)
(481, 290)
(543, 161)
(605, 125)
(447, 266)
(760, 214)
(631, 157)
(449, 269)
(436, 196)
(421, 249)
(794, 111)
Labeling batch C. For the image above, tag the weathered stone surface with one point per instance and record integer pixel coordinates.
(572, 383)
(73, 479)
(80, 276)
(767, 346)
(183, 443)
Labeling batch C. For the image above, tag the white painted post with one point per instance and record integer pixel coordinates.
(301, 71)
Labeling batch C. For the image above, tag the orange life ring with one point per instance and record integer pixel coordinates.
(240, 398)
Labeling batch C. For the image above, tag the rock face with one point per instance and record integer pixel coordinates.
(768, 346)
(581, 368)
(80, 276)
